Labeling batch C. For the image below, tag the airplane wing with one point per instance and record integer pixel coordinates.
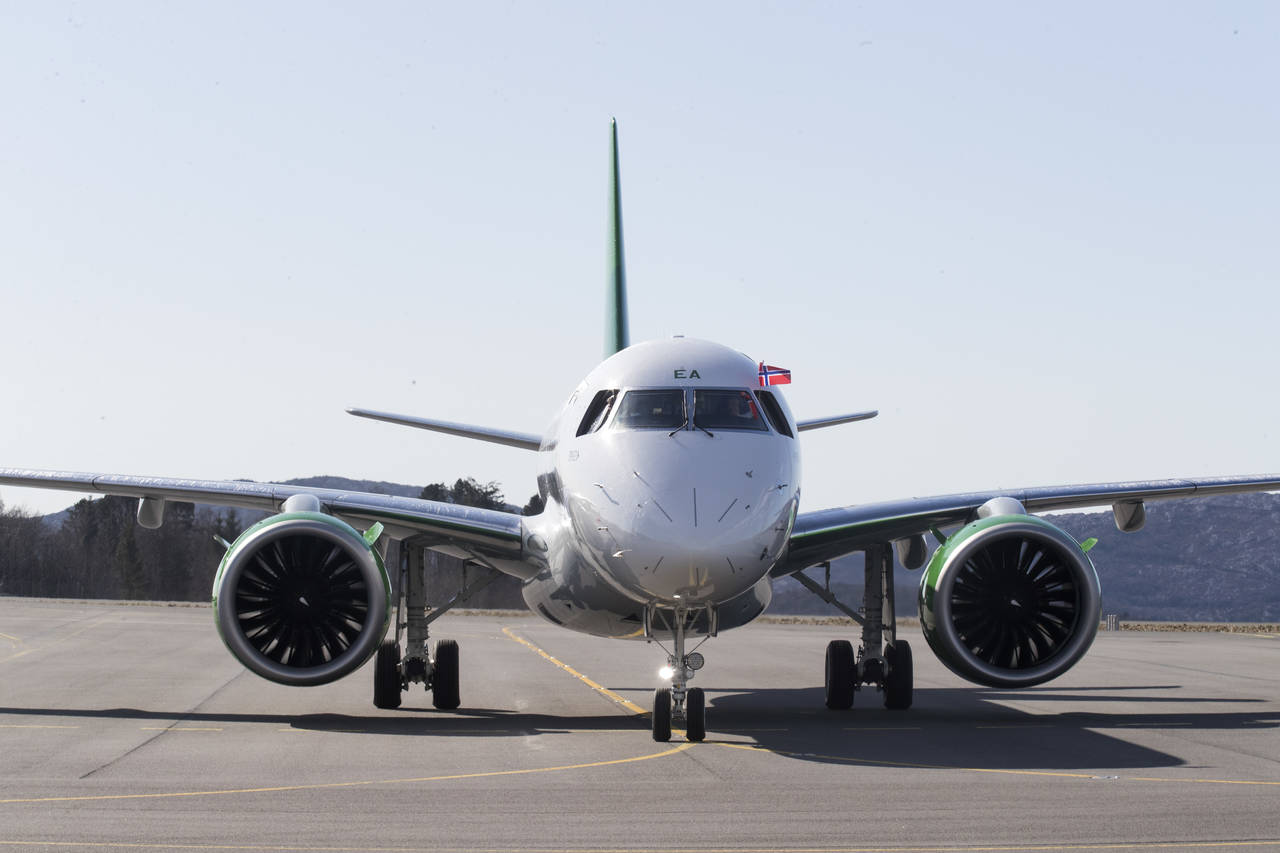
(826, 534)
(478, 532)
(818, 423)
(522, 440)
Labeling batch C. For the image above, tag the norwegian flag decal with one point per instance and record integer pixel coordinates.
(770, 375)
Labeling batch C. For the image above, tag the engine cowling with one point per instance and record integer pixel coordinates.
(1010, 601)
(301, 598)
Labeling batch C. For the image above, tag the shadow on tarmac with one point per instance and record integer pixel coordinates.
(969, 728)
(465, 722)
(962, 728)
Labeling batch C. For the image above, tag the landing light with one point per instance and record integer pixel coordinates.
(665, 673)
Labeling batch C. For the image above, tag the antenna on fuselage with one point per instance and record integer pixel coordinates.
(617, 336)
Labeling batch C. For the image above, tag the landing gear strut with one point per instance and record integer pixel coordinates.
(882, 659)
(679, 703)
(393, 672)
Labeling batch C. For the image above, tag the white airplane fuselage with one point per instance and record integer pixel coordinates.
(671, 480)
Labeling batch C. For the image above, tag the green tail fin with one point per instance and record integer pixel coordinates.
(617, 336)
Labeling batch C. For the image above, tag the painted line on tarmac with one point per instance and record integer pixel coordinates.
(599, 688)
(177, 729)
(845, 759)
(62, 638)
(321, 786)
(453, 731)
(950, 848)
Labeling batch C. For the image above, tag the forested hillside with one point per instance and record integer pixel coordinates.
(95, 549)
(1211, 559)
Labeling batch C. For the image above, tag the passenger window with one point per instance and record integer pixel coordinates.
(651, 410)
(598, 411)
(773, 411)
(714, 410)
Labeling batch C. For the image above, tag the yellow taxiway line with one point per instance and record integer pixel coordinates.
(320, 786)
(950, 848)
(599, 688)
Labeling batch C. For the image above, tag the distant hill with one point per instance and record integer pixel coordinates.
(1207, 559)
(377, 487)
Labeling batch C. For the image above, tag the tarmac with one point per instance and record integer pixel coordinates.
(130, 727)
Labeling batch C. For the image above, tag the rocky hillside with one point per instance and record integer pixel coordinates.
(1205, 560)
(1209, 559)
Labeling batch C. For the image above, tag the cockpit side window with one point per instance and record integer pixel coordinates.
(713, 410)
(661, 409)
(598, 411)
(773, 412)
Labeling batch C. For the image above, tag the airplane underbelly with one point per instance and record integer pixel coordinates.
(590, 607)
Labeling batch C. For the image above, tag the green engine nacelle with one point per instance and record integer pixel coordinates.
(302, 598)
(1010, 601)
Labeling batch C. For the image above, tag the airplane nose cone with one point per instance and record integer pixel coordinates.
(706, 517)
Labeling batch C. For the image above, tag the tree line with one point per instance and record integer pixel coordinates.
(98, 550)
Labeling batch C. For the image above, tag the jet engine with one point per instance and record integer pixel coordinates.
(1010, 600)
(301, 598)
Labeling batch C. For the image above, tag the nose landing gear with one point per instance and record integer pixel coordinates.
(679, 704)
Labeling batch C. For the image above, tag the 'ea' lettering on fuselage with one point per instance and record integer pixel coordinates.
(682, 373)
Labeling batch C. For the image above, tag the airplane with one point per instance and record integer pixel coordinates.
(671, 484)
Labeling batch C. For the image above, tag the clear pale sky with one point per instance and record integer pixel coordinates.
(1044, 242)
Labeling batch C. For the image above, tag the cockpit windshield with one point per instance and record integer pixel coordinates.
(662, 409)
(715, 410)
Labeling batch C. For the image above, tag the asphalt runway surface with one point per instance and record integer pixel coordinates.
(129, 727)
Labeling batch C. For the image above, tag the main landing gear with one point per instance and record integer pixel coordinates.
(679, 704)
(394, 672)
(882, 660)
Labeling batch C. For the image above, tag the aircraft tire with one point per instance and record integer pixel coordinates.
(444, 676)
(695, 704)
(840, 673)
(386, 676)
(898, 685)
(662, 714)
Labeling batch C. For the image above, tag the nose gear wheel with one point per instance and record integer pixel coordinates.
(662, 714)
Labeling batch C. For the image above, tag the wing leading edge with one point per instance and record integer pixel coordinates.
(830, 533)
